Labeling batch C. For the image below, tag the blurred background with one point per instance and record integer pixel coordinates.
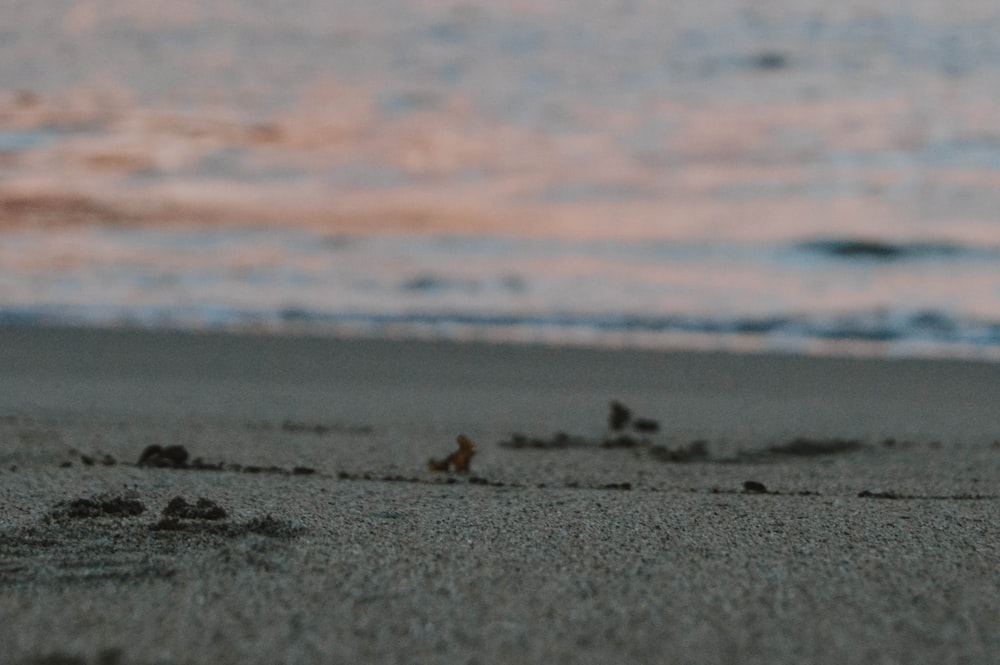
(793, 176)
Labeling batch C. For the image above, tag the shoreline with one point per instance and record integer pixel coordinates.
(517, 335)
(379, 379)
(835, 510)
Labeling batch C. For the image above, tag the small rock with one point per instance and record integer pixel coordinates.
(754, 487)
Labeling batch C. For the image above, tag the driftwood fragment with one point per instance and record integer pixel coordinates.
(458, 460)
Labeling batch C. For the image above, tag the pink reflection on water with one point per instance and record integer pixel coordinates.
(334, 162)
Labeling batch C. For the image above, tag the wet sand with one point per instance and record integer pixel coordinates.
(788, 509)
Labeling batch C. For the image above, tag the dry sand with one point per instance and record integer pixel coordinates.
(876, 540)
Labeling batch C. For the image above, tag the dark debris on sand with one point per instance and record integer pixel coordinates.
(694, 451)
(111, 656)
(180, 514)
(99, 540)
(869, 494)
(620, 419)
(103, 460)
(624, 441)
(263, 526)
(203, 509)
(300, 427)
(620, 416)
(206, 516)
(646, 425)
(803, 446)
(173, 457)
(271, 527)
(557, 440)
(176, 457)
(105, 505)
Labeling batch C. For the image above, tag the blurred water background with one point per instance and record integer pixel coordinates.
(795, 176)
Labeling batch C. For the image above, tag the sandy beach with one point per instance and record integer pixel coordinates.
(786, 510)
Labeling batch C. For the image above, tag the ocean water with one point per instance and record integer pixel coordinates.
(787, 176)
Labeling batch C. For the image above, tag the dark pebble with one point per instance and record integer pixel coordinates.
(754, 487)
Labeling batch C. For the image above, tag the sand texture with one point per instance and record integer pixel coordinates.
(748, 509)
